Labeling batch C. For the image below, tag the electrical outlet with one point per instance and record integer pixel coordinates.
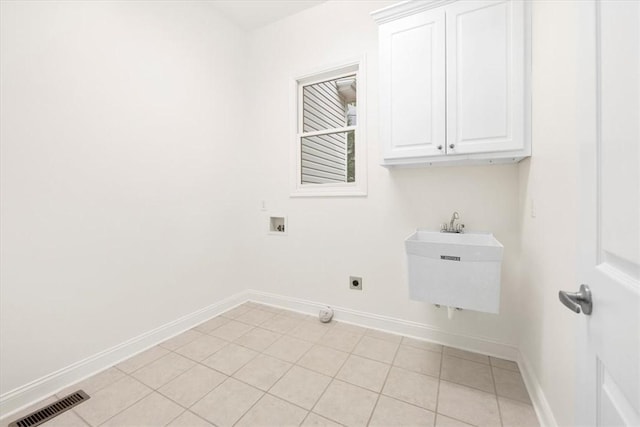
(355, 283)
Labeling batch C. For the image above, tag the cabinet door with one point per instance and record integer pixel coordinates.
(485, 76)
(412, 81)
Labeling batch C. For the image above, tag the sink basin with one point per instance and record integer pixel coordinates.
(456, 270)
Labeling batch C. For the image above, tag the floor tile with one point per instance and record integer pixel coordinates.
(411, 387)
(263, 371)
(237, 311)
(359, 330)
(66, 419)
(231, 330)
(312, 330)
(466, 372)
(443, 421)
(517, 414)
(346, 403)
(463, 354)
(383, 335)
(298, 316)
(288, 348)
(252, 304)
(270, 308)
(255, 317)
(141, 359)
(227, 402)
(422, 344)
(201, 348)
(422, 361)
(280, 324)
(212, 324)
(315, 420)
(301, 386)
(510, 384)
(154, 410)
(94, 383)
(324, 360)
(271, 411)
(504, 364)
(258, 339)
(366, 373)
(111, 400)
(467, 404)
(189, 419)
(377, 349)
(192, 385)
(341, 339)
(230, 358)
(391, 412)
(180, 340)
(163, 370)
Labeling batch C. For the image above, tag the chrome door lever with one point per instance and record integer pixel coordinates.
(576, 301)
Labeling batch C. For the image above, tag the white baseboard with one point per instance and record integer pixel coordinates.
(26, 395)
(21, 397)
(538, 398)
(390, 324)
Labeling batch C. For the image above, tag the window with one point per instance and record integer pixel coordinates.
(329, 142)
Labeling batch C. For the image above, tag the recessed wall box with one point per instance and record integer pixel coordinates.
(278, 225)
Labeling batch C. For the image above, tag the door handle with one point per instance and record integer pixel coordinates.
(576, 301)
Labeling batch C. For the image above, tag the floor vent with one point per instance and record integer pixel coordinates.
(50, 411)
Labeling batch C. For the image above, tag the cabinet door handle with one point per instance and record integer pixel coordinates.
(452, 145)
(440, 147)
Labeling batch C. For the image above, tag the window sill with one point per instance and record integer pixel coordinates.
(313, 191)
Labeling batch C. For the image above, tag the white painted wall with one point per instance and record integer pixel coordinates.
(121, 136)
(547, 337)
(330, 239)
(125, 207)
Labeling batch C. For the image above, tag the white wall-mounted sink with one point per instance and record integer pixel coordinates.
(455, 270)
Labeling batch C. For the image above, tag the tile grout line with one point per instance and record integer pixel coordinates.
(231, 375)
(57, 396)
(294, 364)
(272, 385)
(259, 353)
(384, 383)
(495, 389)
(177, 416)
(333, 378)
(492, 379)
(129, 406)
(439, 384)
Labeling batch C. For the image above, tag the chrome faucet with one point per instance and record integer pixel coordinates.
(452, 227)
(453, 219)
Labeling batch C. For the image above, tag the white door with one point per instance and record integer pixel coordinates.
(608, 89)
(412, 82)
(485, 76)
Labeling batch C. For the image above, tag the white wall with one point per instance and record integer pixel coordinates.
(547, 337)
(134, 166)
(122, 187)
(330, 239)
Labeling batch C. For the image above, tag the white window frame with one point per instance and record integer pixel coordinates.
(341, 189)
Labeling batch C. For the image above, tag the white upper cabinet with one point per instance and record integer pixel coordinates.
(412, 97)
(454, 85)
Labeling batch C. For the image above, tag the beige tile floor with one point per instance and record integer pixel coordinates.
(260, 366)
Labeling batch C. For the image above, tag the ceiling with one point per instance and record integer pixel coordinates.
(251, 14)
